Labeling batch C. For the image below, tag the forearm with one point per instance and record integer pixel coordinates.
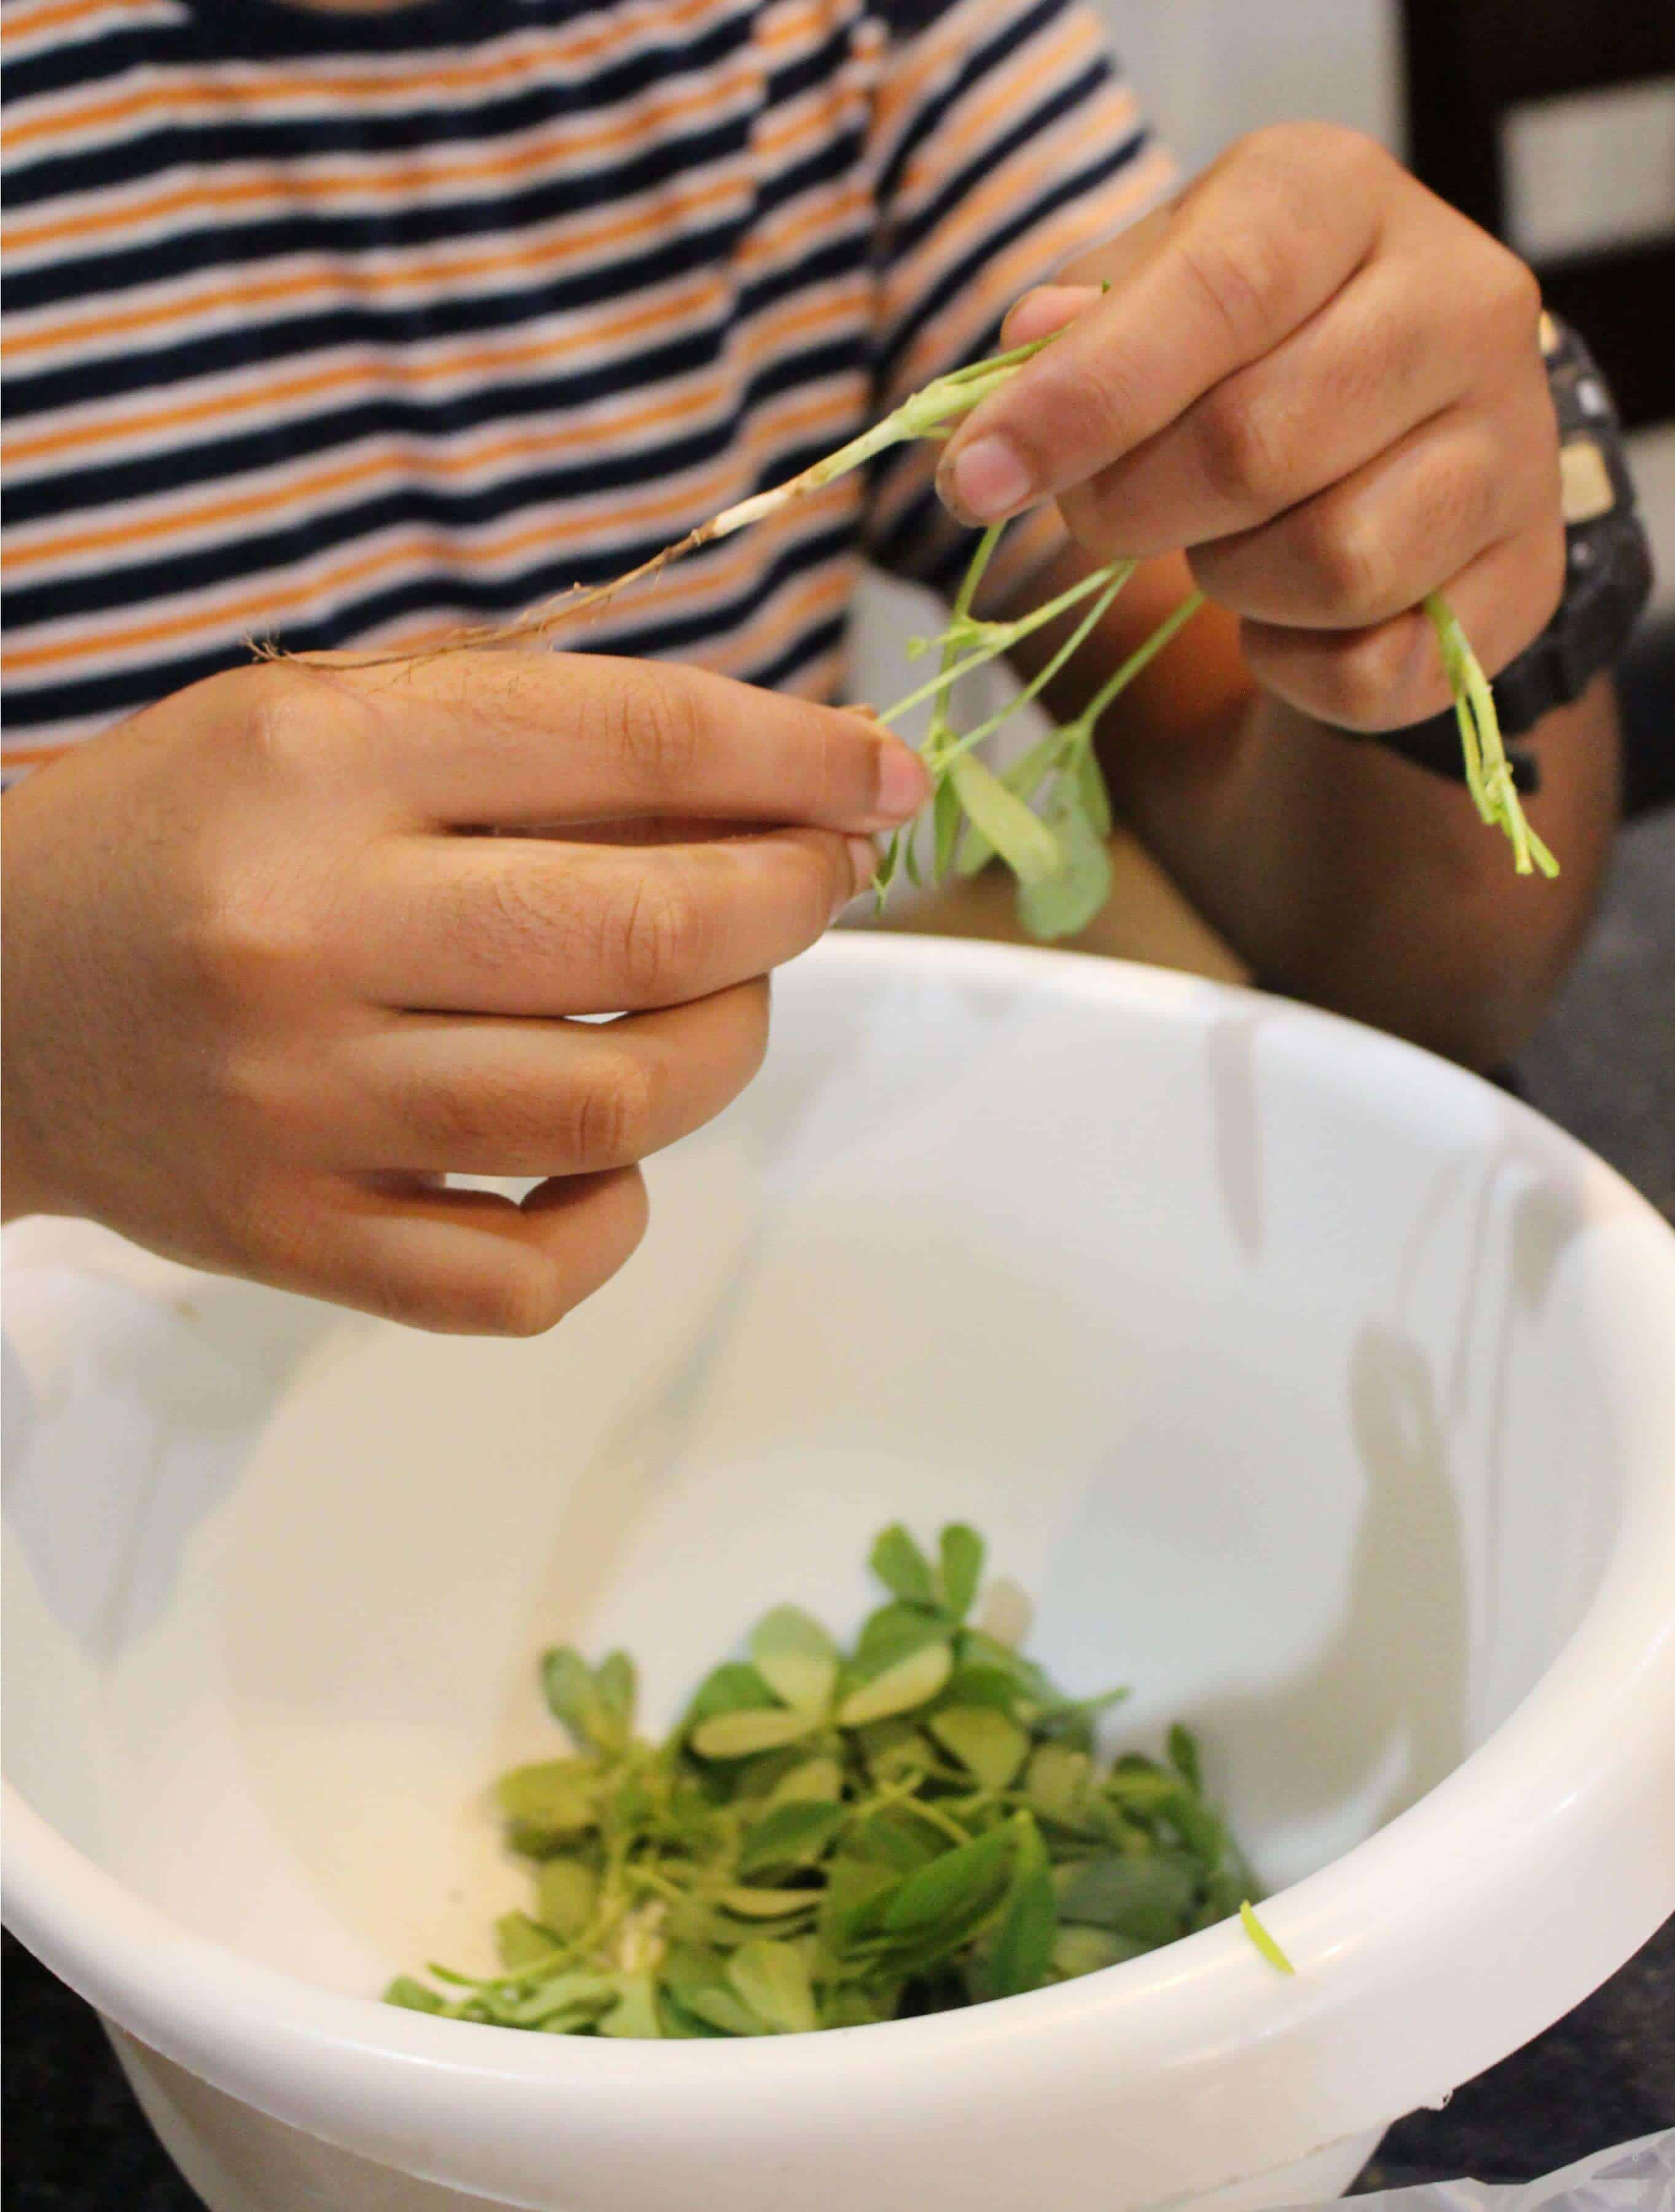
(1337, 870)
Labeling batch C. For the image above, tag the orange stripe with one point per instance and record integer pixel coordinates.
(307, 284)
(428, 77)
(396, 368)
(262, 608)
(17, 755)
(24, 22)
(386, 183)
(523, 446)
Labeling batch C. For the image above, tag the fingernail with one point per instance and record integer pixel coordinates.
(901, 781)
(863, 859)
(986, 480)
(1047, 308)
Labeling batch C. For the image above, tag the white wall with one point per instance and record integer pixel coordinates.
(1207, 70)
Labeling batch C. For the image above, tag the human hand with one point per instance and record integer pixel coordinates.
(1325, 385)
(261, 1000)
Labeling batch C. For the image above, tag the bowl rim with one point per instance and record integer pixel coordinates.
(1584, 1767)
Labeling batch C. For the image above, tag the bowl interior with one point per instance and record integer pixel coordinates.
(1266, 1353)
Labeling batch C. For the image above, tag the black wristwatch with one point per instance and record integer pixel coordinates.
(1608, 574)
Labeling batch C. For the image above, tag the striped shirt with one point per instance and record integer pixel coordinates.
(339, 329)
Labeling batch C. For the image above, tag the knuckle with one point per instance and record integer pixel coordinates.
(652, 940)
(1091, 412)
(1347, 559)
(247, 934)
(658, 730)
(1371, 677)
(1241, 450)
(1239, 277)
(615, 1111)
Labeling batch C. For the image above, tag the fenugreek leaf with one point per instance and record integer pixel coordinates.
(912, 1682)
(901, 1566)
(772, 1978)
(796, 1658)
(958, 1569)
(791, 1834)
(739, 1734)
(992, 1746)
(1019, 1953)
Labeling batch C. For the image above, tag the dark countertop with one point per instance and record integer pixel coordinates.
(1605, 2074)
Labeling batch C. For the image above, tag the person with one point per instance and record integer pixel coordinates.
(338, 325)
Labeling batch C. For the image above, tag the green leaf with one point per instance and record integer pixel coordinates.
(894, 1632)
(617, 1684)
(769, 1903)
(574, 1699)
(912, 1682)
(1091, 790)
(1026, 845)
(1055, 1782)
(634, 2013)
(1264, 1941)
(960, 1569)
(547, 1802)
(946, 818)
(1065, 901)
(901, 1566)
(1024, 778)
(1086, 1950)
(983, 1740)
(981, 1685)
(739, 1735)
(413, 1996)
(1148, 1899)
(794, 1834)
(732, 1688)
(724, 2009)
(572, 1998)
(523, 1942)
(967, 1878)
(852, 1904)
(1185, 1758)
(566, 1892)
(1021, 1951)
(819, 1780)
(796, 1659)
(772, 1978)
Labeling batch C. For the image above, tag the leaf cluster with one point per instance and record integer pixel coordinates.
(833, 1836)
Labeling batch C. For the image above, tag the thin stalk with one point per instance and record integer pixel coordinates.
(999, 637)
(1119, 573)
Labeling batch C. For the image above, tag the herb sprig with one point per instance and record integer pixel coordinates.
(831, 1837)
(1048, 816)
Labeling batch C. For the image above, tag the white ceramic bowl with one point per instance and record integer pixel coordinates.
(1317, 1389)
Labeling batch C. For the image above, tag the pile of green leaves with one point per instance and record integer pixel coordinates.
(831, 1838)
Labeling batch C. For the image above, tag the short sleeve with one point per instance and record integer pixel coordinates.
(1004, 143)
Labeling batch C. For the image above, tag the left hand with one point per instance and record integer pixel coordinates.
(1327, 387)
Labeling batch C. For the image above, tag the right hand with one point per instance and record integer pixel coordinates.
(262, 999)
